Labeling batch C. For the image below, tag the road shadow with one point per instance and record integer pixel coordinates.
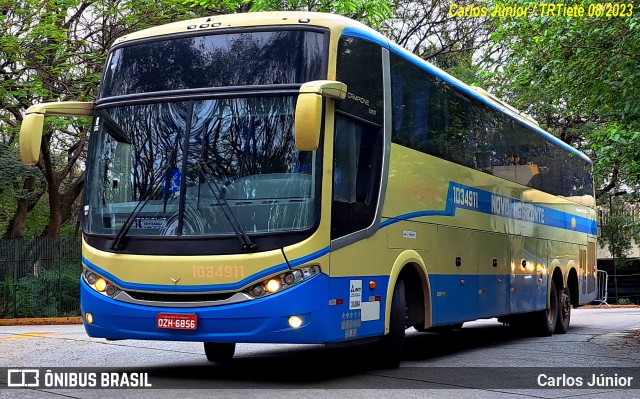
(319, 366)
(426, 346)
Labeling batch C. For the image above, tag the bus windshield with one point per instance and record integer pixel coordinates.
(214, 61)
(203, 167)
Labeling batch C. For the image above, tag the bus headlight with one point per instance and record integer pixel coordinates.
(282, 281)
(99, 283)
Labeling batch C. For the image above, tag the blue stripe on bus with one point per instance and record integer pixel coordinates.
(310, 257)
(266, 319)
(478, 200)
(482, 201)
(363, 34)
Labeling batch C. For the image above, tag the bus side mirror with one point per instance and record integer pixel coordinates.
(308, 118)
(33, 124)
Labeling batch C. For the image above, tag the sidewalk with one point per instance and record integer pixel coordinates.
(40, 321)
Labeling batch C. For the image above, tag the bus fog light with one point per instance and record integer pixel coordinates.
(88, 317)
(101, 285)
(295, 321)
(273, 285)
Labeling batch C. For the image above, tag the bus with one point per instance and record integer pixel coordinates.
(297, 177)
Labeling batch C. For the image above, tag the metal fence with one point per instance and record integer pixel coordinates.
(603, 290)
(39, 277)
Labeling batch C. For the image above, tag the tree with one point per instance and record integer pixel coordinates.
(427, 29)
(619, 231)
(54, 51)
(371, 12)
(579, 77)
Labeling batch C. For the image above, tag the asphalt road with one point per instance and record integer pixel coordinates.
(482, 360)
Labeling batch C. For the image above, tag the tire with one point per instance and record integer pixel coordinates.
(564, 312)
(219, 352)
(391, 346)
(544, 321)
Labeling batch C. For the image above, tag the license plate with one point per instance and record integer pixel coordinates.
(177, 321)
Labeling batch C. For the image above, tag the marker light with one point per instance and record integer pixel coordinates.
(88, 317)
(101, 285)
(273, 285)
(295, 321)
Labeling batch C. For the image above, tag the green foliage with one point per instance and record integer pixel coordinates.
(370, 12)
(624, 301)
(620, 230)
(54, 51)
(579, 77)
(52, 293)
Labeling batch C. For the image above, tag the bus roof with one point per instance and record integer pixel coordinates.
(349, 27)
(266, 18)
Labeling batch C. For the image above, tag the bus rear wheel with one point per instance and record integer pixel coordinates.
(564, 312)
(218, 352)
(391, 346)
(544, 321)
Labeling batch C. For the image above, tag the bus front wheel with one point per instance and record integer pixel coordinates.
(219, 352)
(391, 346)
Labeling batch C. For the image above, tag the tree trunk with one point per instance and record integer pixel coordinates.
(15, 229)
(61, 207)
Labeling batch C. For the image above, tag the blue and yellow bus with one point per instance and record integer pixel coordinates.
(295, 177)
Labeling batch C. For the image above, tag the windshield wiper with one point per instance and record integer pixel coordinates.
(246, 242)
(118, 241)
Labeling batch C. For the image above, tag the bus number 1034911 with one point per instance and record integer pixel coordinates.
(214, 272)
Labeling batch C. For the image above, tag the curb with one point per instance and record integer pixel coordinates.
(40, 321)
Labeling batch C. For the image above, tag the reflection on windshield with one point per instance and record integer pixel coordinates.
(215, 60)
(247, 144)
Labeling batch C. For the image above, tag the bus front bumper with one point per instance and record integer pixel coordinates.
(264, 320)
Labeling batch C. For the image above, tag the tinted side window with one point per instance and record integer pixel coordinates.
(358, 138)
(360, 68)
(433, 117)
